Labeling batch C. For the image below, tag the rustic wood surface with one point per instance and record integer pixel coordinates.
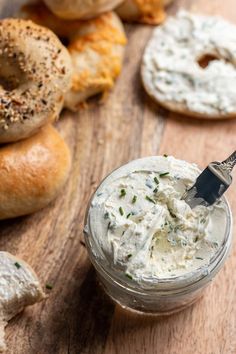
(77, 317)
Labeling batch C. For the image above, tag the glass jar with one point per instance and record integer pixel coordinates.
(156, 296)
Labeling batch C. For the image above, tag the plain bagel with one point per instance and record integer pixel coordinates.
(80, 9)
(144, 11)
(35, 73)
(96, 47)
(189, 66)
(32, 172)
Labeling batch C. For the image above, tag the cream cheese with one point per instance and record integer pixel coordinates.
(171, 72)
(19, 287)
(144, 228)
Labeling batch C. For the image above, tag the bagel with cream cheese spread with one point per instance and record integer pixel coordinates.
(189, 66)
(19, 287)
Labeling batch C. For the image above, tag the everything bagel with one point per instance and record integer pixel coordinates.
(96, 48)
(35, 73)
(80, 9)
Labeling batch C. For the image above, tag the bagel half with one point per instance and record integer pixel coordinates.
(96, 47)
(32, 172)
(80, 9)
(35, 73)
(19, 287)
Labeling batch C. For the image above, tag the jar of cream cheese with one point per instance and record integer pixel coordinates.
(152, 252)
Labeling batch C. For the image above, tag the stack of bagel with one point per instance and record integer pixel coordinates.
(95, 37)
(35, 72)
(39, 76)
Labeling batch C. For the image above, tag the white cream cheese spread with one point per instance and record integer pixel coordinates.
(145, 229)
(171, 72)
(19, 287)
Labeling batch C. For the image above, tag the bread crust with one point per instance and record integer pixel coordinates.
(32, 172)
(35, 73)
(80, 9)
(143, 11)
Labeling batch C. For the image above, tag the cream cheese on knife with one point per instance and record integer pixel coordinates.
(143, 226)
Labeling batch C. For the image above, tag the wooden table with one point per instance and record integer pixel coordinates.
(77, 317)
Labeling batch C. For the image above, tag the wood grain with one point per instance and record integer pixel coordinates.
(77, 317)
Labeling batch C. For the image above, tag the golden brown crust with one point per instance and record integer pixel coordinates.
(32, 172)
(35, 72)
(143, 11)
(96, 48)
(80, 9)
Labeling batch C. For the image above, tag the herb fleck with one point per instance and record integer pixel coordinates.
(48, 286)
(164, 174)
(106, 215)
(18, 266)
(172, 214)
(199, 258)
(128, 276)
(121, 211)
(150, 199)
(156, 180)
(165, 155)
(129, 255)
(122, 193)
(134, 199)
(155, 190)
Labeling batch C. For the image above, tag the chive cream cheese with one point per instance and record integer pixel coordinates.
(144, 228)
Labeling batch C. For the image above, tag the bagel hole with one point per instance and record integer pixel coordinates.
(9, 84)
(206, 59)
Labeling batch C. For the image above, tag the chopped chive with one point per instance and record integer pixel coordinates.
(129, 276)
(156, 180)
(122, 193)
(165, 155)
(215, 244)
(155, 190)
(172, 214)
(164, 174)
(48, 286)
(150, 199)
(196, 239)
(121, 211)
(106, 215)
(202, 221)
(129, 255)
(134, 199)
(199, 258)
(18, 266)
(128, 215)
